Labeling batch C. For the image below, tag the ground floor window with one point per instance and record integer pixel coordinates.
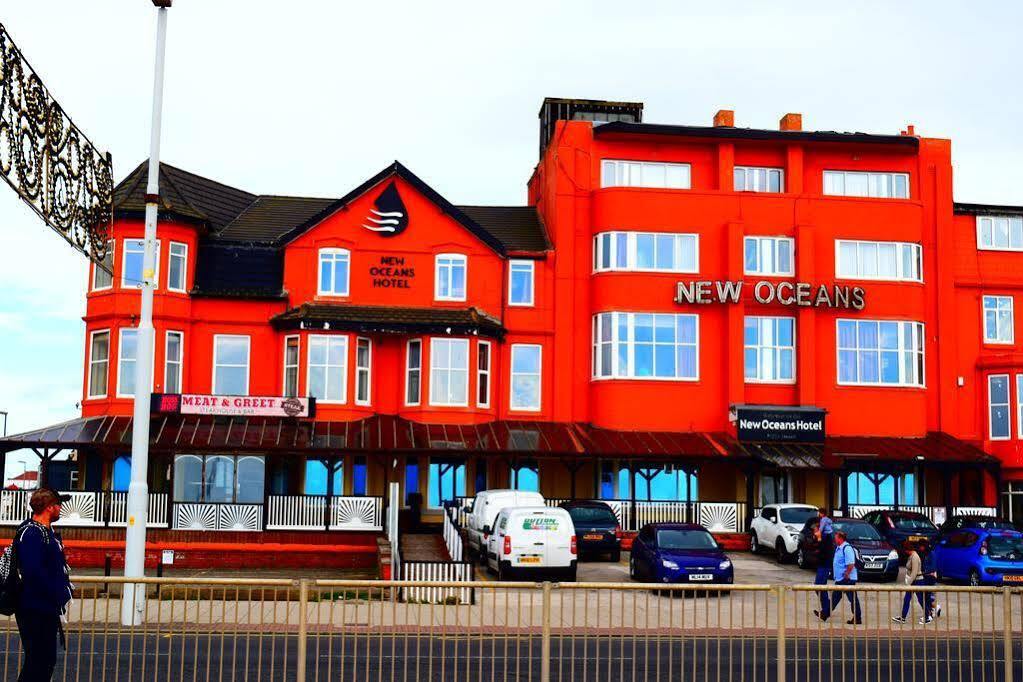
(120, 477)
(774, 488)
(525, 476)
(318, 472)
(219, 479)
(1012, 501)
(446, 481)
(411, 479)
(879, 488)
(665, 483)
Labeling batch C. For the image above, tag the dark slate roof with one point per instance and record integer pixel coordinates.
(382, 319)
(234, 270)
(517, 227)
(268, 217)
(909, 141)
(986, 209)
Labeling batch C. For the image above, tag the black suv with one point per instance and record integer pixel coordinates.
(596, 528)
(875, 557)
(903, 529)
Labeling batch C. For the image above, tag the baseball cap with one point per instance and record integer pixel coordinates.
(44, 497)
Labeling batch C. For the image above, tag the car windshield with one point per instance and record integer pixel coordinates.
(593, 516)
(988, 524)
(911, 522)
(797, 515)
(685, 539)
(857, 530)
(1005, 547)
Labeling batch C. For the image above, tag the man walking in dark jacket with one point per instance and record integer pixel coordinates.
(45, 586)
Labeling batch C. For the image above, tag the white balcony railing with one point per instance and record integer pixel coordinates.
(309, 512)
(157, 517)
(84, 509)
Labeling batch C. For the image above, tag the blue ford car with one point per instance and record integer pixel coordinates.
(981, 556)
(678, 553)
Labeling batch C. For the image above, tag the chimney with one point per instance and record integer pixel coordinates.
(725, 118)
(791, 122)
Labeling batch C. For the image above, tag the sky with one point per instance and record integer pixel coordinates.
(310, 97)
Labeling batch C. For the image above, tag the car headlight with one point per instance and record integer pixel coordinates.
(724, 565)
(893, 555)
(669, 564)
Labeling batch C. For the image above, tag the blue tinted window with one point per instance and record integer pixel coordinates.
(316, 478)
(411, 479)
(447, 481)
(359, 476)
(121, 474)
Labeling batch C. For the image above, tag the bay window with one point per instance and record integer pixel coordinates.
(104, 278)
(177, 267)
(291, 355)
(99, 363)
(327, 379)
(449, 372)
(483, 360)
(127, 351)
(645, 346)
(880, 352)
(363, 350)
(131, 264)
(413, 371)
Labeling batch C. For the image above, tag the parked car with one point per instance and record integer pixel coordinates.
(875, 557)
(484, 509)
(960, 521)
(596, 527)
(902, 529)
(678, 553)
(777, 528)
(981, 556)
(533, 541)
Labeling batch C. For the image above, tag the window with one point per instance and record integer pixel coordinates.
(450, 279)
(646, 252)
(363, 350)
(127, 350)
(998, 324)
(449, 372)
(121, 475)
(221, 479)
(894, 261)
(525, 377)
(525, 476)
(998, 406)
(756, 179)
(411, 479)
(318, 474)
(1019, 404)
(103, 279)
(876, 352)
(483, 374)
(99, 363)
(131, 264)
(661, 483)
(446, 482)
(520, 282)
(328, 368)
(644, 174)
(770, 349)
(291, 353)
(769, 256)
(230, 365)
(859, 184)
(870, 488)
(1000, 233)
(333, 272)
(177, 267)
(774, 489)
(645, 346)
(413, 371)
(173, 361)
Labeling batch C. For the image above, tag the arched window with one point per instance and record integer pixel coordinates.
(526, 476)
(250, 480)
(188, 478)
(121, 476)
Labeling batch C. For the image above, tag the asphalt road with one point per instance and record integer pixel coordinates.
(384, 656)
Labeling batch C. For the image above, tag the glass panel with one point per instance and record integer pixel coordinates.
(847, 259)
(187, 478)
(665, 245)
(218, 481)
(251, 474)
(784, 256)
(645, 251)
(752, 254)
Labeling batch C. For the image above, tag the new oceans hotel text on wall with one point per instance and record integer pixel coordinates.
(785, 293)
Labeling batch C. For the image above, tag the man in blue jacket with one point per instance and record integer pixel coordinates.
(45, 585)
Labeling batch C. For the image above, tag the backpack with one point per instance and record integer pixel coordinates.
(10, 575)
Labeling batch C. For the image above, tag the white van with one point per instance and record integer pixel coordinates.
(533, 540)
(483, 511)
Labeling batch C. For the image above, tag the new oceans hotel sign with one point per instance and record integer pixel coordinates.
(786, 293)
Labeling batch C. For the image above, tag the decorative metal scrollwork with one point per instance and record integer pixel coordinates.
(49, 161)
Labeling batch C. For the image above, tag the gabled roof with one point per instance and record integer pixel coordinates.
(517, 227)
(268, 216)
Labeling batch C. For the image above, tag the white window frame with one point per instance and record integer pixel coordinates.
(184, 267)
(775, 242)
(118, 389)
(309, 367)
(89, 395)
(336, 254)
(1019, 406)
(248, 361)
(180, 362)
(447, 267)
(408, 372)
(632, 251)
(124, 263)
(364, 371)
(531, 267)
(433, 344)
(891, 175)
(1011, 221)
(296, 367)
(615, 343)
(900, 274)
(482, 372)
(997, 300)
(749, 172)
(918, 333)
(776, 348)
(512, 374)
(1007, 405)
(620, 172)
(111, 247)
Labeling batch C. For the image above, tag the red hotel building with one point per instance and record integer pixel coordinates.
(690, 320)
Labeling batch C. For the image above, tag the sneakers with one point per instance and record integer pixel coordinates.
(925, 620)
(854, 621)
(821, 618)
(898, 619)
(937, 611)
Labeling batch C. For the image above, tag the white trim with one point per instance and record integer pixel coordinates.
(488, 372)
(869, 174)
(997, 298)
(632, 251)
(297, 365)
(436, 276)
(248, 360)
(120, 348)
(334, 252)
(918, 333)
(368, 369)
(769, 169)
(1007, 404)
(309, 366)
(776, 347)
(511, 378)
(630, 341)
(184, 267)
(408, 371)
(433, 341)
(775, 242)
(124, 263)
(111, 248)
(88, 375)
(1008, 217)
(181, 359)
(919, 256)
(532, 282)
(618, 168)
(1019, 406)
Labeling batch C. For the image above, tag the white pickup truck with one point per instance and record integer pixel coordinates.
(777, 527)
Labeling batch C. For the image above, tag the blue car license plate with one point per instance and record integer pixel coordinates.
(701, 577)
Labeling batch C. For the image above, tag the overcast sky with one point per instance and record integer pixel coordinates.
(311, 97)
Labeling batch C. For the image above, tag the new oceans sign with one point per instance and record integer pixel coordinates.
(797, 425)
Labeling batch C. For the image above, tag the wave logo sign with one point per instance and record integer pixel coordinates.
(388, 217)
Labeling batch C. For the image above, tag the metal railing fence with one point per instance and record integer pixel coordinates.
(339, 630)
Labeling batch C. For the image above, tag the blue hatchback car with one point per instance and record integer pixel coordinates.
(678, 553)
(981, 556)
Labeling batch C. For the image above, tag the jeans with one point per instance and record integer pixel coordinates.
(925, 599)
(822, 578)
(39, 640)
(854, 600)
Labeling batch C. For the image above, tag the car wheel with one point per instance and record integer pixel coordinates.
(502, 572)
(570, 575)
(754, 544)
(801, 559)
(974, 578)
(616, 556)
(780, 552)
